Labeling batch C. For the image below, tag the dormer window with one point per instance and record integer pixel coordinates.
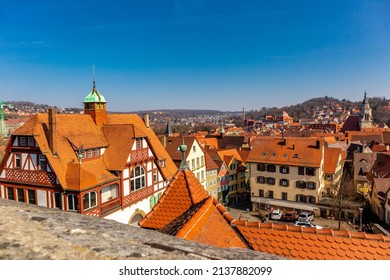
(23, 141)
(89, 153)
(263, 154)
(96, 152)
(273, 154)
(31, 142)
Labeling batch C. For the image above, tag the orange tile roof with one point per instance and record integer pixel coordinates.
(331, 159)
(174, 142)
(314, 244)
(183, 192)
(297, 151)
(230, 153)
(187, 211)
(211, 142)
(81, 131)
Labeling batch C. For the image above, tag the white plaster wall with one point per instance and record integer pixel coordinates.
(2, 191)
(126, 187)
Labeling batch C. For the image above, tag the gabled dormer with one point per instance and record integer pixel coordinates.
(95, 106)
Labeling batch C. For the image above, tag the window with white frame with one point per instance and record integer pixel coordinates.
(155, 176)
(139, 143)
(96, 152)
(73, 203)
(89, 153)
(138, 178)
(109, 192)
(89, 200)
(17, 161)
(42, 162)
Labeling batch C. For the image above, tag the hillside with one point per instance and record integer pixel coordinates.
(310, 107)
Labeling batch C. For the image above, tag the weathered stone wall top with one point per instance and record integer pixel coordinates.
(30, 232)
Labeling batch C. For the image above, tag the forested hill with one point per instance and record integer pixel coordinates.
(309, 108)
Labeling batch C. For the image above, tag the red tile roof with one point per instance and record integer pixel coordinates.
(296, 151)
(314, 244)
(187, 211)
(331, 159)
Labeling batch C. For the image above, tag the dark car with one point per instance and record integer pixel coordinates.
(290, 216)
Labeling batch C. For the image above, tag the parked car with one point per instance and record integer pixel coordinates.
(290, 216)
(306, 216)
(307, 224)
(276, 214)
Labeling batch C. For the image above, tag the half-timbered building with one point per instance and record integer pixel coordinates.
(107, 165)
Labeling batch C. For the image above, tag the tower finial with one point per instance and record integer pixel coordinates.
(183, 148)
(93, 75)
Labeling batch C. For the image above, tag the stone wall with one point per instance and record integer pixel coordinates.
(30, 232)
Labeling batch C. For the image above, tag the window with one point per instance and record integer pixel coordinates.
(284, 169)
(270, 181)
(301, 198)
(284, 195)
(96, 152)
(261, 167)
(139, 143)
(271, 168)
(284, 182)
(232, 166)
(202, 160)
(10, 193)
(31, 197)
(42, 162)
(82, 154)
(194, 148)
(312, 199)
(73, 203)
(138, 178)
(263, 154)
(89, 200)
(155, 177)
(261, 193)
(23, 141)
(301, 170)
(260, 179)
(197, 162)
(193, 164)
(162, 163)
(310, 171)
(17, 161)
(273, 155)
(89, 153)
(109, 192)
(270, 194)
(20, 193)
(285, 155)
(301, 184)
(311, 185)
(328, 177)
(31, 141)
(57, 200)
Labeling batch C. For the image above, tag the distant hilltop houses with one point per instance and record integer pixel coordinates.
(182, 181)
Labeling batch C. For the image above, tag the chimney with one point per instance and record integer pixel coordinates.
(164, 141)
(52, 131)
(146, 120)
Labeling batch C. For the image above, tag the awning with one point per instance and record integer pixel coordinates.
(284, 203)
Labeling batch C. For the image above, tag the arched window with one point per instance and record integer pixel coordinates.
(89, 200)
(73, 203)
(138, 180)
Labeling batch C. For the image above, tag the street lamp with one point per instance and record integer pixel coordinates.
(361, 218)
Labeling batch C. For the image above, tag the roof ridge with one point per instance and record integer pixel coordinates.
(196, 217)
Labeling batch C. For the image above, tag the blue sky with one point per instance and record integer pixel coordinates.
(194, 54)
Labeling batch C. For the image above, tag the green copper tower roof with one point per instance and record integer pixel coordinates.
(94, 96)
